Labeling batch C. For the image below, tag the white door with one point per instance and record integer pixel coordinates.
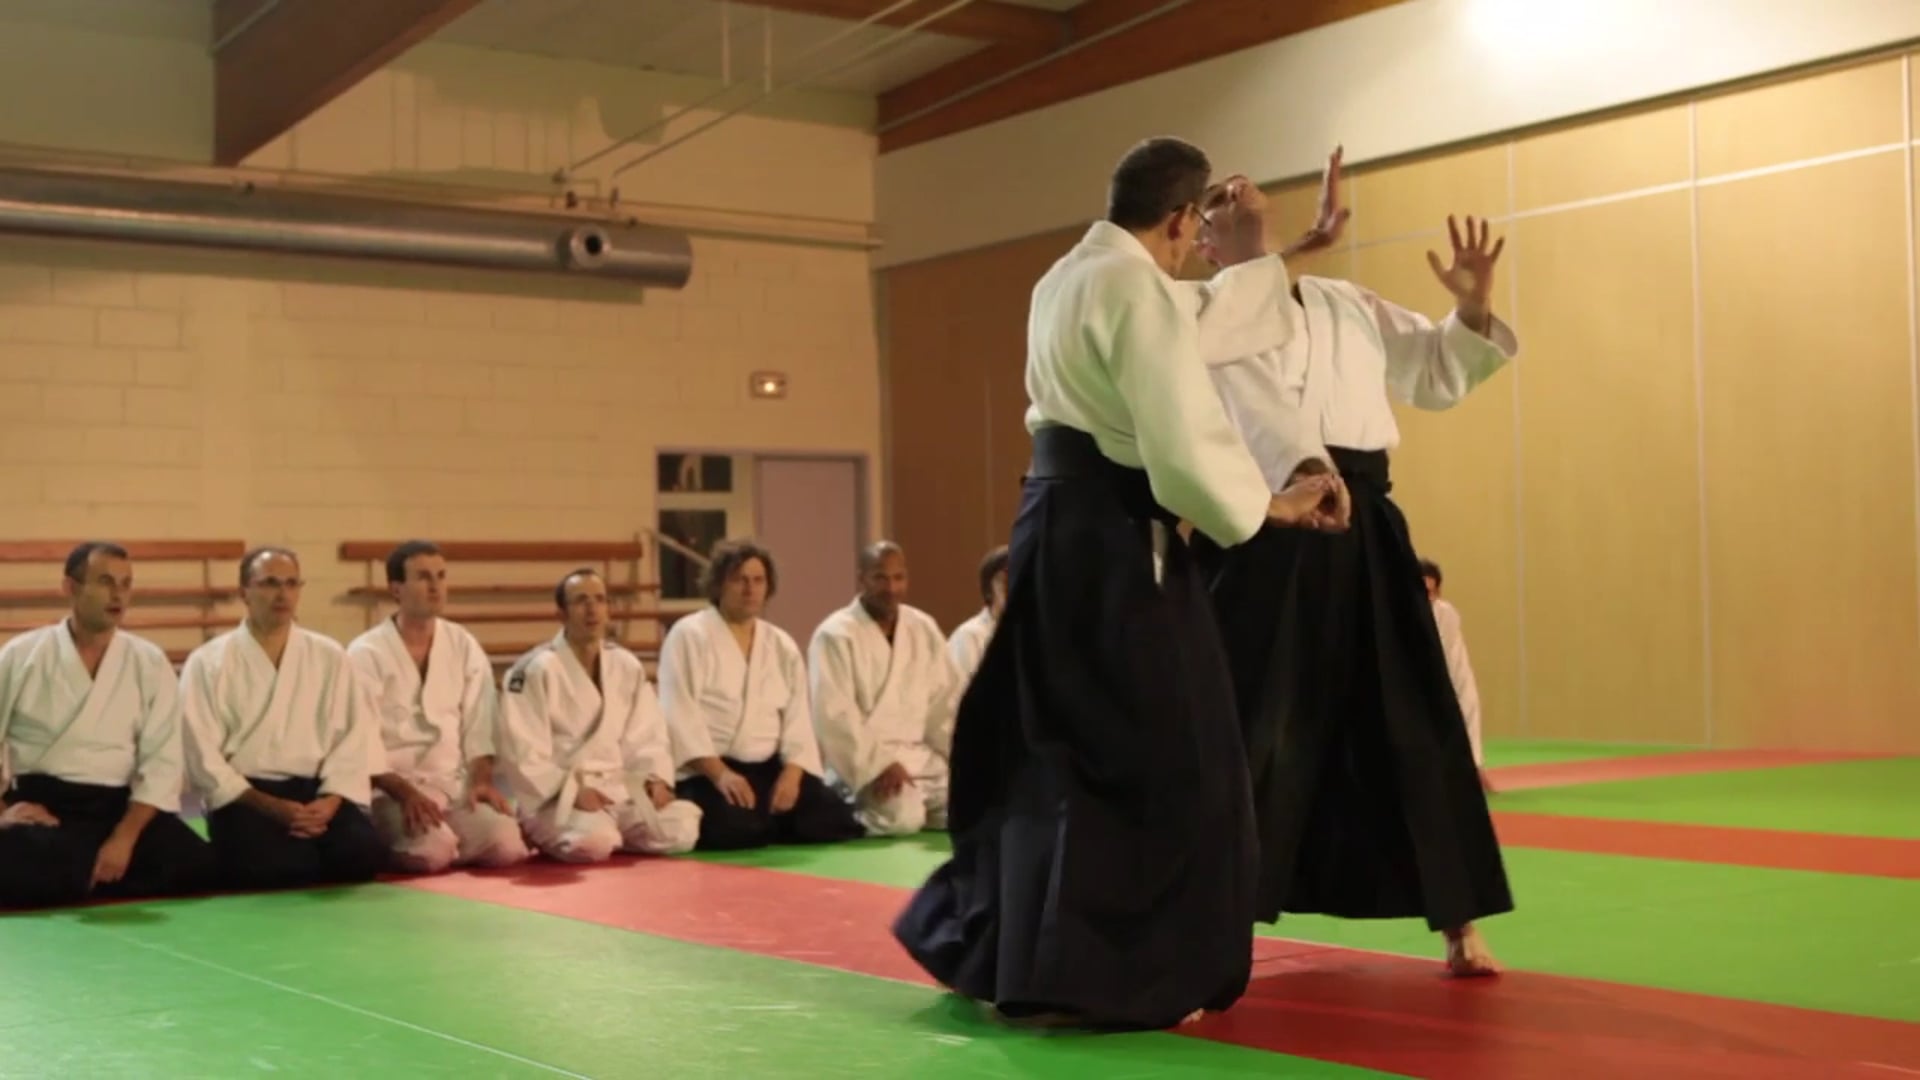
(809, 513)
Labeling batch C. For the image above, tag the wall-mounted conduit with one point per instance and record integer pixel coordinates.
(249, 218)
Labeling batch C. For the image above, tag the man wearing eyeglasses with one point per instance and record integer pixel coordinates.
(1103, 846)
(280, 742)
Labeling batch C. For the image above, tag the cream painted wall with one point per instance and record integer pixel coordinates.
(153, 393)
(1412, 77)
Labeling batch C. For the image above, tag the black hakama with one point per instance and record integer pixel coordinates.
(256, 851)
(1368, 801)
(1103, 844)
(52, 865)
(818, 815)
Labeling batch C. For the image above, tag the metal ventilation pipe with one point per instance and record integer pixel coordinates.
(250, 218)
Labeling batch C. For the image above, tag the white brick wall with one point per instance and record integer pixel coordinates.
(300, 411)
(152, 392)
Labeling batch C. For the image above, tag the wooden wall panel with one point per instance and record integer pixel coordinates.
(1415, 198)
(1610, 494)
(1568, 497)
(955, 357)
(1831, 113)
(1605, 158)
(1810, 472)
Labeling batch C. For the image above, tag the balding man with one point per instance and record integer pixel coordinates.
(884, 694)
(279, 742)
(582, 743)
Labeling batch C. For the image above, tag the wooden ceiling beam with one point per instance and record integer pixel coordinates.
(982, 20)
(278, 61)
(1144, 38)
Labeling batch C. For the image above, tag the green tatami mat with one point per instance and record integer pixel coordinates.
(1879, 797)
(1502, 753)
(1818, 941)
(384, 981)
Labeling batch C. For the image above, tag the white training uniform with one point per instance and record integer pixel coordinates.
(431, 726)
(1113, 350)
(969, 643)
(877, 703)
(560, 734)
(720, 703)
(246, 718)
(1347, 356)
(119, 727)
(1460, 668)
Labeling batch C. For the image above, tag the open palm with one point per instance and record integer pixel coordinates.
(1332, 215)
(1470, 277)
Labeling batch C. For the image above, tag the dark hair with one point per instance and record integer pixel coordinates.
(397, 558)
(560, 590)
(247, 561)
(991, 567)
(1431, 569)
(727, 557)
(1156, 178)
(82, 553)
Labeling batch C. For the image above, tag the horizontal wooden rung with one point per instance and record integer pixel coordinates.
(516, 649)
(588, 551)
(142, 596)
(136, 624)
(55, 551)
(522, 588)
(545, 615)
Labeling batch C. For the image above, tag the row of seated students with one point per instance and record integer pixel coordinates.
(323, 764)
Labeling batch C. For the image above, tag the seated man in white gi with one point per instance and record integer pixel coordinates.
(582, 744)
(433, 695)
(90, 753)
(1446, 618)
(969, 641)
(734, 688)
(279, 742)
(884, 695)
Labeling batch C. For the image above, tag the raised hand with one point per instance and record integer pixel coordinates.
(1470, 276)
(1333, 215)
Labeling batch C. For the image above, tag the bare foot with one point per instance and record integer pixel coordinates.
(1192, 1016)
(1468, 955)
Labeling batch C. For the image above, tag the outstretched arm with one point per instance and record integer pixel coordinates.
(1435, 366)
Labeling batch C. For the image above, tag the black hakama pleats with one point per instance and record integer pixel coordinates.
(257, 852)
(818, 816)
(52, 865)
(1368, 801)
(1103, 842)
